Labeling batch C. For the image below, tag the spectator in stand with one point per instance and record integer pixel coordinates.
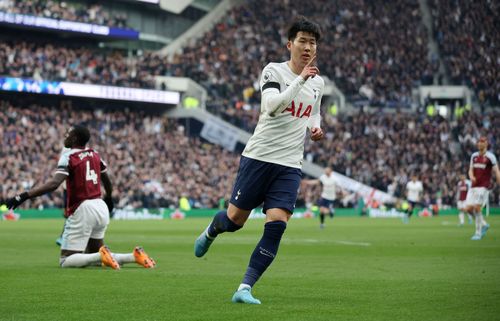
(57, 9)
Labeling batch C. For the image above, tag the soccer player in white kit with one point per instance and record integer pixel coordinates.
(270, 166)
(328, 194)
(482, 164)
(414, 191)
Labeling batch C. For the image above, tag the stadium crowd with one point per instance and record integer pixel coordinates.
(468, 36)
(57, 9)
(81, 64)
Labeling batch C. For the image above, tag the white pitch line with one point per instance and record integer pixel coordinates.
(353, 243)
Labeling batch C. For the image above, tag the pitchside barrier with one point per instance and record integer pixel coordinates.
(160, 214)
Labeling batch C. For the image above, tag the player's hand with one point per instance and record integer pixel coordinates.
(309, 69)
(14, 202)
(109, 203)
(316, 134)
(473, 179)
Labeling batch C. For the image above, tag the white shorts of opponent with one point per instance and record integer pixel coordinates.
(461, 204)
(477, 196)
(90, 220)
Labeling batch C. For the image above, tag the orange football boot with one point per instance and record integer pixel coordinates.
(107, 258)
(142, 258)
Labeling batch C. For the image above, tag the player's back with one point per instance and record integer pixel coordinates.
(84, 168)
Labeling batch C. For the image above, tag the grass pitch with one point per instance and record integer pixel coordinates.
(354, 269)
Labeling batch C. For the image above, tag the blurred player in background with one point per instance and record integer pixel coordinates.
(482, 164)
(87, 214)
(328, 195)
(462, 189)
(270, 166)
(414, 192)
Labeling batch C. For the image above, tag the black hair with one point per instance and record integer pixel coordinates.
(301, 23)
(82, 135)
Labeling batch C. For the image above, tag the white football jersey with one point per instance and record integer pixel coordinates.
(280, 133)
(329, 187)
(415, 189)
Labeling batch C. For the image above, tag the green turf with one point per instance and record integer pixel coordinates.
(355, 269)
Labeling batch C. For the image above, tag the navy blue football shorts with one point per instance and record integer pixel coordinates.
(323, 202)
(273, 185)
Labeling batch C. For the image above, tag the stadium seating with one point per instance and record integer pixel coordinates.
(57, 9)
(468, 37)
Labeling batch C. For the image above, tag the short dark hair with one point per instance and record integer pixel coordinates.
(82, 135)
(301, 23)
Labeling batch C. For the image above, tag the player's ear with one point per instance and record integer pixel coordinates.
(289, 45)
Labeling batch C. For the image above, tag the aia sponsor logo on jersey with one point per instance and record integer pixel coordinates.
(299, 112)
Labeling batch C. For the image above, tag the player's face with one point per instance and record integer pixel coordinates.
(302, 48)
(481, 145)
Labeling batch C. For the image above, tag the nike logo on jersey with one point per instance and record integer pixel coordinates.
(316, 92)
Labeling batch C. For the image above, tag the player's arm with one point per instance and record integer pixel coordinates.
(497, 173)
(471, 174)
(274, 101)
(311, 181)
(108, 188)
(471, 170)
(47, 187)
(314, 122)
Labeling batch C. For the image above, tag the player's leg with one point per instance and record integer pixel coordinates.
(224, 221)
(74, 241)
(59, 239)
(278, 207)
(111, 259)
(479, 222)
(323, 211)
(263, 255)
(461, 217)
(247, 194)
(331, 208)
(484, 195)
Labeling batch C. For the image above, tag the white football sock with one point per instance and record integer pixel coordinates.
(461, 218)
(483, 221)
(124, 258)
(244, 286)
(479, 224)
(80, 260)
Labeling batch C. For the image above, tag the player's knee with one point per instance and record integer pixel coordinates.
(223, 223)
(274, 229)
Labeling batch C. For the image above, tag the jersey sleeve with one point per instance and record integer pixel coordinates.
(270, 79)
(315, 119)
(63, 163)
(274, 99)
(492, 158)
